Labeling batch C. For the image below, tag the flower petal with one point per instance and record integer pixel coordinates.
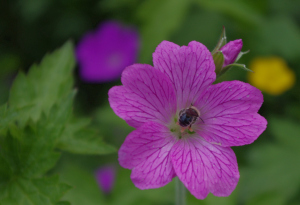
(229, 112)
(204, 167)
(147, 95)
(190, 69)
(146, 151)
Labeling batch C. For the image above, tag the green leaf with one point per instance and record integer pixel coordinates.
(111, 125)
(8, 116)
(280, 35)
(24, 191)
(286, 131)
(274, 167)
(27, 153)
(160, 19)
(86, 190)
(239, 10)
(30, 151)
(124, 192)
(269, 198)
(44, 85)
(79, 139)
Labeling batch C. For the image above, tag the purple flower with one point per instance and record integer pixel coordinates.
(231, 51)
(185, 125)
(106, 178)
(103, 54)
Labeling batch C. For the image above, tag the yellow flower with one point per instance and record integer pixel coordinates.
(271, 75)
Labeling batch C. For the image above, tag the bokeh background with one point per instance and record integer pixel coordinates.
(269, 168)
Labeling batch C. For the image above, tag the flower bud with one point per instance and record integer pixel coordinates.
(231, 51)
(105, 177)
(226, 55)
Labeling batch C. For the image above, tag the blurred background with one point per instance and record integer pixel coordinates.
(269, 168)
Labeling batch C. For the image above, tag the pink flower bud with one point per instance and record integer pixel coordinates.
(231, 51)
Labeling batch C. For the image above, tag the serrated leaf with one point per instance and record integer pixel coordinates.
(160, 19)
(27, 153)
(45, 84)
(79, 139)
(8, 116)
(24, 191)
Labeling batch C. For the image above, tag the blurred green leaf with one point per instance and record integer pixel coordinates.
(111, 126)
(274, 167)
(160, 19)
(27, 153)
(79, 139)
(85, 190)
(286, 131)
(239, 10)
(280, 36)
(271, 198)
(8, 116)
(44, 85)
(24, 191)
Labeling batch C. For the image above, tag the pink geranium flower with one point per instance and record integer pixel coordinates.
(104, 53)
(184, 124)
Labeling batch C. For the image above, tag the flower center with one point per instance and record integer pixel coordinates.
(186, 118)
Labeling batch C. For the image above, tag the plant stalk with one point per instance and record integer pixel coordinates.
(180, 191)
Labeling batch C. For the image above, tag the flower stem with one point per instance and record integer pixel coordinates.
(180, 191)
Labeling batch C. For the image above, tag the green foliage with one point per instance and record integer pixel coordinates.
(78, 139)
(36, 121)
(274, 166)
(124, 192)
(160, 19)
(44, 85)
(28, 153)
(23, 191)
(239, 10)
(285, 43)
(7, 116)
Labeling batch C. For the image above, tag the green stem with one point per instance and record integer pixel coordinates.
(180, 192)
